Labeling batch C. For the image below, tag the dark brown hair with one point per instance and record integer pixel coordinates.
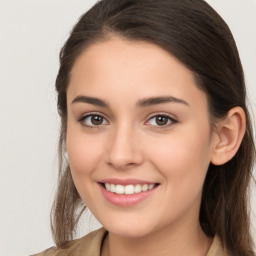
(196, 35)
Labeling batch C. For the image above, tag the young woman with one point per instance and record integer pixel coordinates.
(155, 127)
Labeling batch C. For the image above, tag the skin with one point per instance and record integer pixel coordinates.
(129, 143)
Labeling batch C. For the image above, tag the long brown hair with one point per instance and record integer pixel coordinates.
(196, 35)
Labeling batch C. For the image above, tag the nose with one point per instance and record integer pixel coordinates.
(124, 149)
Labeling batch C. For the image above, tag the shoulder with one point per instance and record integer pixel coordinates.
(217, 248)
(48, 252)
(88, 245)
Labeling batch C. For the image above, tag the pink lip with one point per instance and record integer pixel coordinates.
(123, 200)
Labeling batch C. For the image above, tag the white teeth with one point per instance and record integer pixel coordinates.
(113, 188)
(119, 189)
(128, 189)
(145, 187)
(150, 186)
(108, 186)
(137, 188)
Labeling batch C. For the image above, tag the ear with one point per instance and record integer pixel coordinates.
(228, 136)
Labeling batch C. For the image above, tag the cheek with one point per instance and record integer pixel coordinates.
(84, 151)
(183, 159)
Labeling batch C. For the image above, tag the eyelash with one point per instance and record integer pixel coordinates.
(170, 120)
(83, 118)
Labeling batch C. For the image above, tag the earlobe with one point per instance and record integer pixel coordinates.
(229, 135)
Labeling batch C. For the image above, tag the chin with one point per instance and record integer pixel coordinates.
(128, 229)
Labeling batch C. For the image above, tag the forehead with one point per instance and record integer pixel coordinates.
(125, 55)
(128, 68)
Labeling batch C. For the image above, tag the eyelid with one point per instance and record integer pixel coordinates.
(169, 116)
(84, 116)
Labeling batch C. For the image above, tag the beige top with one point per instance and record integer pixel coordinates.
(90, 245)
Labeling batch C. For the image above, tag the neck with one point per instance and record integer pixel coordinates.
(165, 242)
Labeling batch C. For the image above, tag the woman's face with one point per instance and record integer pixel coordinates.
(137, 125)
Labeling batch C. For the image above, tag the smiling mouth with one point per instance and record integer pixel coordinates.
(128, 189)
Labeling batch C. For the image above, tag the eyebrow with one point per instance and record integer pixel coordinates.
(159, 100)
(146, 102)
(90, 100)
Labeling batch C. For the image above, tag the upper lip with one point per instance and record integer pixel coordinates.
(124, 182)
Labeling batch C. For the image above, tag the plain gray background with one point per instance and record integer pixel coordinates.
(31, 35)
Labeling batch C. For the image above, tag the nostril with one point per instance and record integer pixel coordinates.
(122, 162)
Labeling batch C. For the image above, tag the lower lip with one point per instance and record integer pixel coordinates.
(126, 200)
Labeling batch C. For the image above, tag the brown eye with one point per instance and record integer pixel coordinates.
(161, 120)
(96, 120)
(93, 120)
